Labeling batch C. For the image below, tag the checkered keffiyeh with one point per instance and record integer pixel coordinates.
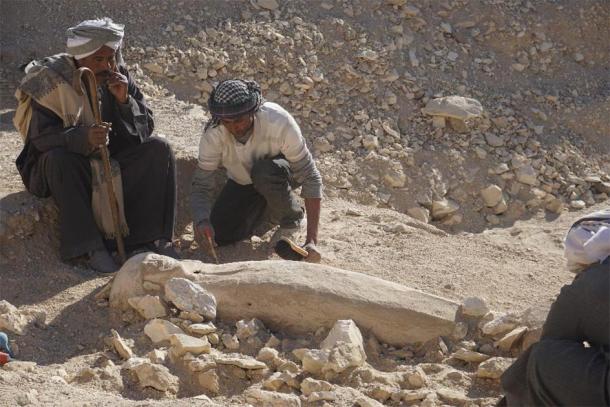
(233, 98)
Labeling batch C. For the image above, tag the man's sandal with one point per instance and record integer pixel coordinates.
(288, 250)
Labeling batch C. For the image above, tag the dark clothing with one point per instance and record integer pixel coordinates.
(55, 162)
(560, 370)
(240, 208)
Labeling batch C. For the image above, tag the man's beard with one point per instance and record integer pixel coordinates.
(102, 77)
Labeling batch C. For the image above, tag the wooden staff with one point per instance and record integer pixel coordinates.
(91, 86)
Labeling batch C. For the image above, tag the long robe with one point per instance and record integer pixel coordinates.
(559, 370)
(54, 162)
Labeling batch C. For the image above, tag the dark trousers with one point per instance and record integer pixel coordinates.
(149, 195)
(559, 370)
(240, 208)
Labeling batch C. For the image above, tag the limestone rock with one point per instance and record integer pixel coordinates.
(279, 379)
(508, 340)
(245, 329)
(452, 397)
(492, 195)
(209, 381)
(156, 376)
(444, 208)
(188, 296)
(11, 319)
(457, 107)
(314, 360)
(343, 331)
(474, 307)
(202, 329)
(499, 325)
(267, 355)
(231, 342)
(268, 4)
(239, 360)
(148, 306)
(419, 213)
(321, 396)
(182, 344)
(493, 368)
(494, 140)
(159, 330)
(364, 401)
(275, 291)
(120, 346)
(264, 398)
(469, 356)
(527, 175)
(310, 385)
(157, 356)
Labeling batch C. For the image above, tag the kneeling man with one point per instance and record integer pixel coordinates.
(265, 155)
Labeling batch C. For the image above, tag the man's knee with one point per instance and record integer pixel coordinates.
(157, 147)
(268, 171)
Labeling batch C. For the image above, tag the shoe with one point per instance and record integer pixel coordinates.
(102, 262)
(288, 250)
(165, 247)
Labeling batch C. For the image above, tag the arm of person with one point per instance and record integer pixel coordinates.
(133, 120)
(47, 132)
(203, 185)
(581, 312)
(305, 173)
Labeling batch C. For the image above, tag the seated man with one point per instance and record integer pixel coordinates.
(261, 146)
(570, 365)
(61, 142)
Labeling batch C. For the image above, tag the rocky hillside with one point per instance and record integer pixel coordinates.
(357, 74)
(458, 140)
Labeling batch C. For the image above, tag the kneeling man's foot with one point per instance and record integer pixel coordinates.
(165, 247)
(102, 262)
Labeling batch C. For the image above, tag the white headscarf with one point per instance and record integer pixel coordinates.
(89, 36)
(588, 240)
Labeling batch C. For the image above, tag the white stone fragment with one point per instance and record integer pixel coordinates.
(493, 368)
(474, 307)
(11, 319)
(148, 306)
(188, 296)
(182, 344)
(458, 107)
(159, 330)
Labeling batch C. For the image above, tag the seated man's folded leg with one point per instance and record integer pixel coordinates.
(68, 176)
(149, 191)
(565, 373)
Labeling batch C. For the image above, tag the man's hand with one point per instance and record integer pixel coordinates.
(117, 85)
(203, 230)
(98, 135)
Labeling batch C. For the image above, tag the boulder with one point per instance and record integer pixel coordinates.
(159, 330)
(264, 398)
(190, 297)
(11, 319)
(493, 368)
(182, 344)
(148, 306)
(155, 376)
(299, 297)
(474, 307)
(457, 107)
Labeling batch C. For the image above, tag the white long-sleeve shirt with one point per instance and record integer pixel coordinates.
(274, 132)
